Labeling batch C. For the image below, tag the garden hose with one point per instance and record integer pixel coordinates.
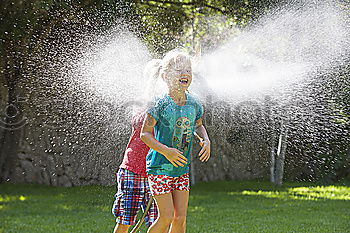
(139, 223)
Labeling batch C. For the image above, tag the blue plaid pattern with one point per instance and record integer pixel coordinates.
(133, 193)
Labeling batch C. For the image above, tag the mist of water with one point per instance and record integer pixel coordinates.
(286, 70)
(113, 68)
(283, 48)
(92, 81)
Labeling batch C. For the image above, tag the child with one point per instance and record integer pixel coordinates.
(133, 190)
(174, 118)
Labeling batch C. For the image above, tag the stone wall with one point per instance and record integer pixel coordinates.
(87, 148)
(239, 152)
(46, 156)
(39, 161)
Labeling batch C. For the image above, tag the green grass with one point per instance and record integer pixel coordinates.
(214, 207)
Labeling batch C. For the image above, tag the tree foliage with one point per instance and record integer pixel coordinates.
(168, 24)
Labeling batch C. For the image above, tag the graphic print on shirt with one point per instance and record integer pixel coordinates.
(182, 134)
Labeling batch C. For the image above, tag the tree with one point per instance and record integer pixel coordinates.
(169, 24)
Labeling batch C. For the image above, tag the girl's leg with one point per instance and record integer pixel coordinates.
(121, 228)
(165, 213)
(180, 200)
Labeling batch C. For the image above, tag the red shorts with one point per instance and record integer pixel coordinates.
(161, 184)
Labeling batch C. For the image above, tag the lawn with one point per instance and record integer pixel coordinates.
(214, 207)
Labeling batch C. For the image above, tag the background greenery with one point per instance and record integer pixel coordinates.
(28, 27)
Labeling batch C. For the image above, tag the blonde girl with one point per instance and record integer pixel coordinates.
(174, 118)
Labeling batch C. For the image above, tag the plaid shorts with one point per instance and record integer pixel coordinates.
(132, 194)
(161, 184)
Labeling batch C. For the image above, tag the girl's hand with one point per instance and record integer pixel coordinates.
(204, 154)
(175, 157)
(201, 133)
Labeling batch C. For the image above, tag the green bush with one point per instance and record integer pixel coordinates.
(334, 168)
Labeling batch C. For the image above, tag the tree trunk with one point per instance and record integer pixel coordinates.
(13, 120)
(280, 157)
(277, 157)
(273, 160)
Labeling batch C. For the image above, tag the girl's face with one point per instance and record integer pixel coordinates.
(179, 75)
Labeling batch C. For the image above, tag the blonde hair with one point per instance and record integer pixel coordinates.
(152, 69)
(156, 67)
(151, 73)
(173, 59)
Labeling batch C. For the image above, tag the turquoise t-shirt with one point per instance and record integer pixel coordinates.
(174, 128)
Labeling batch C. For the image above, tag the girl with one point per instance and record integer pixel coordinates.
(174, 118)
(133, 190)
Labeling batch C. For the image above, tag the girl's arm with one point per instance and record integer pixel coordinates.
(172, 154)
(204, 154)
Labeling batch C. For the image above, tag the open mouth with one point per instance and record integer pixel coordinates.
(183, 80)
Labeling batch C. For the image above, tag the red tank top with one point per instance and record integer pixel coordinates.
(135, 154)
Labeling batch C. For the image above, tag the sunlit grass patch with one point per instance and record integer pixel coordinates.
(322, 192)
(305, 193)
(7, 198)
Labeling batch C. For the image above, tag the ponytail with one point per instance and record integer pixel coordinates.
(151, 73)
(152, 69)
